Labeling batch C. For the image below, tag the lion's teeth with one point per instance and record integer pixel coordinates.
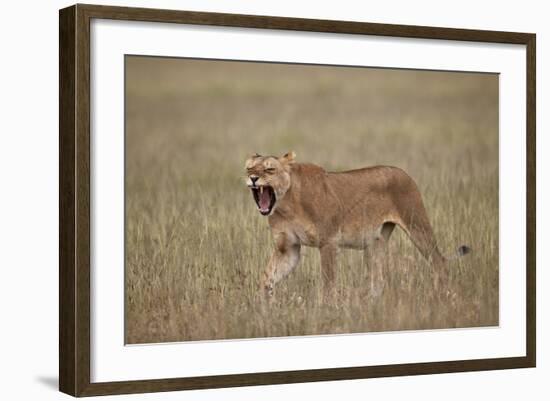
(261, 190)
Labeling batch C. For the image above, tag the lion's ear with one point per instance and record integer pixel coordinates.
(288, 157)
(250, 160)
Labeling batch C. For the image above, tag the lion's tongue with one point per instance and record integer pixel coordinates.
(265, 200)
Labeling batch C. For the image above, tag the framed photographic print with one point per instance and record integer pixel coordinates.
(250, 200)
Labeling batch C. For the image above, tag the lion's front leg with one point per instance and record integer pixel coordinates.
(328, 266)
(283, 260)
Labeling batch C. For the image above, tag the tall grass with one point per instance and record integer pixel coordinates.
(196, 246)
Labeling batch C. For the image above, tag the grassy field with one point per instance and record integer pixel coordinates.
(196, 246)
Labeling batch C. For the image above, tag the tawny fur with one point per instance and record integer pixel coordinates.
(352, 209)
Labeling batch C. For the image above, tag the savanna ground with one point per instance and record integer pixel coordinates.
(196, 245)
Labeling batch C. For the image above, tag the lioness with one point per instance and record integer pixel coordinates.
(355, 209)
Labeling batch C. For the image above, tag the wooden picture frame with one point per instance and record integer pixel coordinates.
(74, 200)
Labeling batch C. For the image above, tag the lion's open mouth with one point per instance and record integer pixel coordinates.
(264, 197)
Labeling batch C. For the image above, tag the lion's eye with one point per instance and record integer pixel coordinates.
(270, 170)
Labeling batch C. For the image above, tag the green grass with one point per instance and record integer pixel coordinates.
(196, 246)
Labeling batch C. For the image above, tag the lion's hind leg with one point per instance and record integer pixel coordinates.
(415, 223)
(376, 255)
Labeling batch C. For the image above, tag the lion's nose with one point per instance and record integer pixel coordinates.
(254, 178)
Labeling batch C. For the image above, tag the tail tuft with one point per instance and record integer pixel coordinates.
(464, 250)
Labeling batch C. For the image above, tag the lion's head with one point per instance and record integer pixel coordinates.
(268, 177)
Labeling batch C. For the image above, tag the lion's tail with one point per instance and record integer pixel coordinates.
(461, 251)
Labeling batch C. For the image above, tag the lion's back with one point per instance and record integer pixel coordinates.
(374, 178)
